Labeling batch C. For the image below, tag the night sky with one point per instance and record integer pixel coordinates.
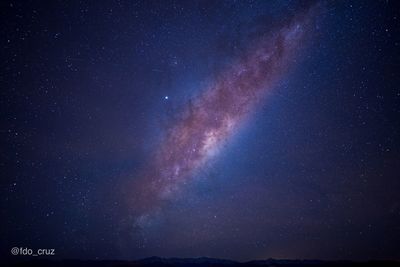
(228, 129)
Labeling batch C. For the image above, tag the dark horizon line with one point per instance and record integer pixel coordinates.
(44, 258)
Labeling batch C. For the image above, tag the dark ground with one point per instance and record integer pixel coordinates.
(202, 262)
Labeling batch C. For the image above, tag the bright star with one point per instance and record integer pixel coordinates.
(166, 97)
